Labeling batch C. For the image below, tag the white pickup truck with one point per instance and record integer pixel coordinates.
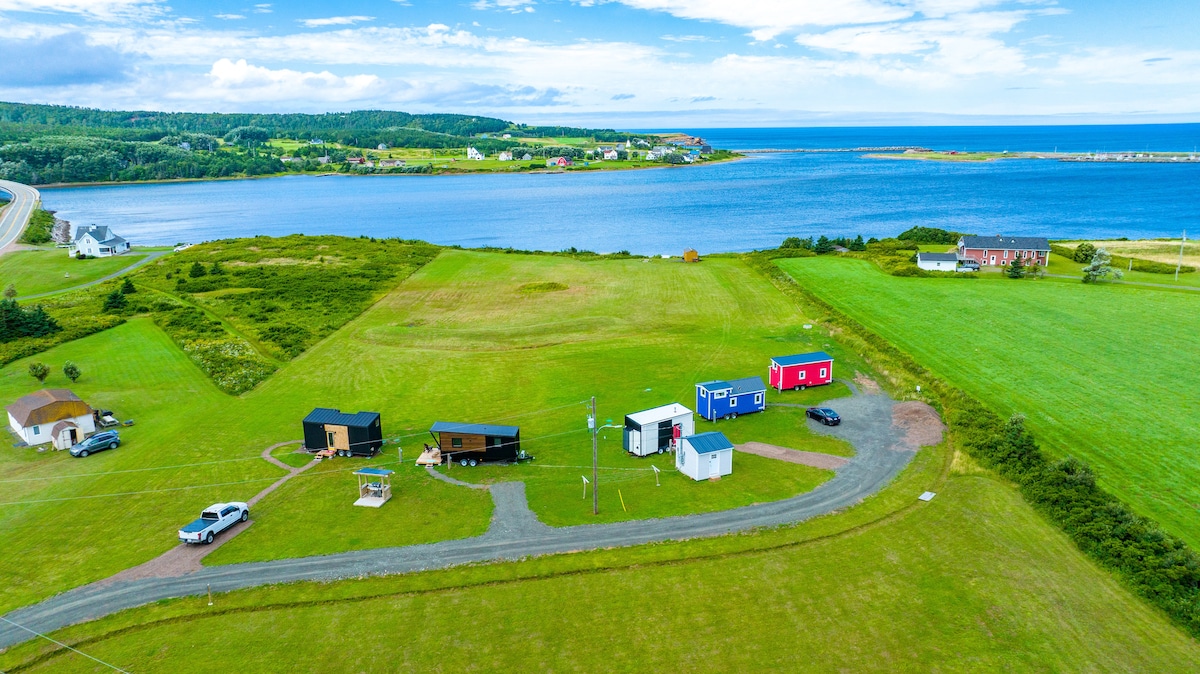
(215, 519)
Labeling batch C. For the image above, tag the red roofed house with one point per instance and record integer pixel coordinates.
(1000, 250)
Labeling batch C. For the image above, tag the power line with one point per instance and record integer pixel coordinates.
(130, 470)
(76, 650)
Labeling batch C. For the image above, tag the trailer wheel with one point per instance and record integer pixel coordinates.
(473, 463)
(462, 462)
(733, 416)
(802, 387)
(660, 450)
(795, 388)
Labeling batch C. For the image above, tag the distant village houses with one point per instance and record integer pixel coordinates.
(97, 241)
(505, 156)
(391, 163)
(474, 155)
(561, 162)
(611, 155)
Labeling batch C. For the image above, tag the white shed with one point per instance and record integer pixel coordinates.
(937, 261)
(705, 456)
(657, 430)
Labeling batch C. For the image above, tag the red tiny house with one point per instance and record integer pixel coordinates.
(801, 371)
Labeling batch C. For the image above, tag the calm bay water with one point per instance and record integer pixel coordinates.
(736, 206)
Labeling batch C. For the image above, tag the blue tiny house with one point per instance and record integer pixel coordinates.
(724, 399)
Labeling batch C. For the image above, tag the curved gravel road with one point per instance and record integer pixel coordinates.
(515, 532)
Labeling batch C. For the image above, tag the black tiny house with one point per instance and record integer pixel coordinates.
(471, 443)
(349, 434)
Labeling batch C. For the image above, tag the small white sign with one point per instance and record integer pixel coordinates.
(927, 496)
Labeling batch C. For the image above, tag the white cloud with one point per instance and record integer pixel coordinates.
(513, 6)
(766, 19)
(97, 9)
(336, 21)
(264, 8)
(229, 17)
(241, 81)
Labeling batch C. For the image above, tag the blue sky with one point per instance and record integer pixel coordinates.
(642, 62)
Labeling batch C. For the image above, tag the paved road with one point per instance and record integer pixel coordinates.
(515, 533)
(16, 215)
(152, 255)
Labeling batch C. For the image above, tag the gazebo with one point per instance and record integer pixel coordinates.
(374, 487)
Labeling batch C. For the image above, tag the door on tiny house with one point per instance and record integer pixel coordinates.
(714, 465)
(337, 436)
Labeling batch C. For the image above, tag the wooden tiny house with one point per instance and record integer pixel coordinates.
(347, 434)
(690, 255)
(470, 444)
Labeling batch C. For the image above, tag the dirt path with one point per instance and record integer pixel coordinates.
(814, 459)
(183, 558)
(921, 424)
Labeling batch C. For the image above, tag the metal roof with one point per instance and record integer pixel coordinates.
(373, 471)
(658, 414)
(739, 386)
(938, 257)
(100, 233)
(1007, 242)
(47, 405)
(802, 358)
(717, 385)
(325, 415)
(706, 443)
(475, 429)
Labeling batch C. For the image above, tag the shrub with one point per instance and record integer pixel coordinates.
(232, 364)
(115, 302)
(1083, 252)
(929, 235)
(39, 371)
(71, 371)
(197, 270)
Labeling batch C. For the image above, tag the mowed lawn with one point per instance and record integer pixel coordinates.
(1110, 374)
(974, 581)
(45, 270)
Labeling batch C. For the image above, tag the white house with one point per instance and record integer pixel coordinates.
(611, 155)
(504, 156)
(938, 261)
(97, 241)
(705, 456)
(51, 415)
(657, 430)
(474, 154)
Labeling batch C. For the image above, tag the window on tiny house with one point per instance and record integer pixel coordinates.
(824, 373)
(456, 442)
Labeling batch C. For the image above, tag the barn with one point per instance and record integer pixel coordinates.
(348, 434)
(471, 444)
(705, 456)
(722, 399)
(801, 370)
(657, 430)
(51, 415)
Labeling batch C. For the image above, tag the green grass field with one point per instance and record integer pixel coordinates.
(974, 581)
(1104, 372)
(45, 270)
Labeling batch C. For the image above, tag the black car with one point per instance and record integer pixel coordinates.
(824, 415)
(96, 443)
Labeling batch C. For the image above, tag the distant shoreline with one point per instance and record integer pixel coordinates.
(1078, 157)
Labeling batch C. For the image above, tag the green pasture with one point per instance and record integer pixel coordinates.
(1061, 265)
(44, 270)
(1103, 372)
(973, 581)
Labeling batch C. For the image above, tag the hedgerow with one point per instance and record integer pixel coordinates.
(1154, 564)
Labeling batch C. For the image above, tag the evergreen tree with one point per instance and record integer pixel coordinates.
(824, 245)
(1016, 269)
(39, 371)
(216, 269)
(1100, 268)
(197, 270)
(858, 243)
(72, 371)
(115, 302)
(127, 288)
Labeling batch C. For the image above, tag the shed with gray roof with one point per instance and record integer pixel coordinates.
(705, 456)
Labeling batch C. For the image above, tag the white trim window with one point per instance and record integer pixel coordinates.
(733, 401)
(37, 430)
(824, 373)
(758, 398)
(718, 395)
(802, 374)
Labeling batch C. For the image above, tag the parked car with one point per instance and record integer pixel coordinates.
(824, 415)
(96, 443)
(968, 265)
(105, 419)
(216, 518)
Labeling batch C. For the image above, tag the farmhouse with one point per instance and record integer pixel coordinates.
(705, 456)
(558, 161)
(97, 241)
(723, 399)
(470, 444)
(474, 155)
(611, 155)
(505, 156)
(938, 261)
(347, 434)
(801, 370)
(51, 415)
(657, 430)
(1000, 250)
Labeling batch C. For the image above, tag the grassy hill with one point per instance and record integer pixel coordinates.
(1101, 371)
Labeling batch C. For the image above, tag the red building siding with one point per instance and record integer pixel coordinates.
(1000, 257)
(806, 374)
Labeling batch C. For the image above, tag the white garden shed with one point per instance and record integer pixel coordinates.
(705, 456)
(657, 430)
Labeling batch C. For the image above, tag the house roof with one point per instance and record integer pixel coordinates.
(658, 413)
(475, 429)
(1007, 242)
(937, 257)
(712, 441)
(373, 471)
(325, 415)
(100, 233)
(802, 358)
(747, 385)
(47, 405)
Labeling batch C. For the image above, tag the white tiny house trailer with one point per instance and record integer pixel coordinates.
(657, 430)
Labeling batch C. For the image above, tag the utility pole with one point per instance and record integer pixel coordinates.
(595, 461)
(1181, 244)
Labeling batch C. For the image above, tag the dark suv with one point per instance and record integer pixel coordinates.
(96, 443)
(824, 415)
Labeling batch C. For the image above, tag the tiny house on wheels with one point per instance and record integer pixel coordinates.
(347, 434)
(705, 456)
(724, 399)
(801, 370)
(657, 430)
(471, 444)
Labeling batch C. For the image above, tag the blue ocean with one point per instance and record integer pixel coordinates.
(736, 206)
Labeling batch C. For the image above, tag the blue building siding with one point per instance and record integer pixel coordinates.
(719, 399)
